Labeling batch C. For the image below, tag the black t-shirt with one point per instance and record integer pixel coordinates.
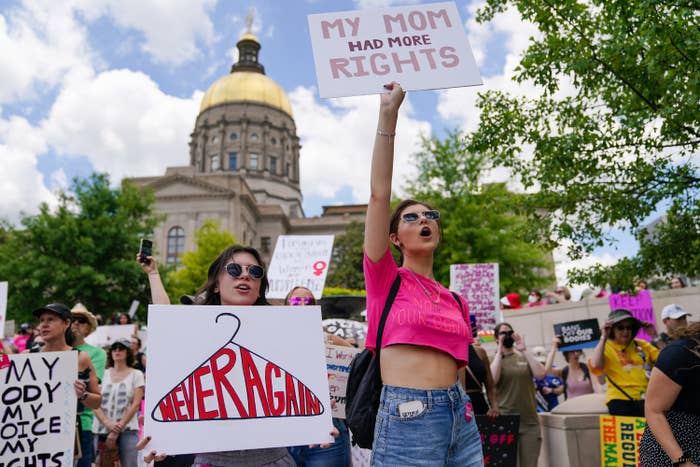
(679, 363)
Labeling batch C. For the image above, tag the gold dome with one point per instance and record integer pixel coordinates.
(246, 86)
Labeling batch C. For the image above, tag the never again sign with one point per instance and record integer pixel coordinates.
(38, 410)
(238, 382)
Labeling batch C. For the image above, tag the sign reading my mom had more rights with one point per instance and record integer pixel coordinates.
(420, 46)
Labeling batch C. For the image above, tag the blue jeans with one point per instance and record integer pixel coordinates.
(86, 446)
(336, 455)
(433, 430)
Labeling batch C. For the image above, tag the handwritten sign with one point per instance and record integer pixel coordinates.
(338, 360)
(478, 284)
(105, 335)
(420, 46)
(640, 305)
(247, 385)
(619, 440)
(3, 307)
(499, 440)
(299, 260)
(576, 335)
(38, 410)
(345, 328)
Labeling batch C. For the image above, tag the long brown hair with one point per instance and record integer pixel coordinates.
(207, 295)
(396, 218)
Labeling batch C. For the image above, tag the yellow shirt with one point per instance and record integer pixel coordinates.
(626, 365)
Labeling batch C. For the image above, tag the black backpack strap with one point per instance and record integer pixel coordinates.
(564, 377)
(385, 313)
(459, 302)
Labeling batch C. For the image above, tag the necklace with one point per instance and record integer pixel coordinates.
(428, 294)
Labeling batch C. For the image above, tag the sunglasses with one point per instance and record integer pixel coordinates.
(295, 301)
(624, 328)
(81, 320)
(254, 271)
(118, 347)
(414, 216)
(506, 333)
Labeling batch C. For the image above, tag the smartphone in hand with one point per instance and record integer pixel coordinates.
(145, 250)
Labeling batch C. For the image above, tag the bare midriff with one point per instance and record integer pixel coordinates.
(418, 367)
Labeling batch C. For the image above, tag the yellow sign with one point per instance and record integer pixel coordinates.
(619, 440)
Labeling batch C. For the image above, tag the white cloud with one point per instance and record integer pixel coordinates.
(123, 123)
(337, 138)
(563, 264)
(22, 188)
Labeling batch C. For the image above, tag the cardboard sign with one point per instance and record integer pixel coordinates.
(299, 260)
(338, 360)
(243, 385)
(619, 440)
(103, 336)
(420, 46)
(3, 306)
(640, 305)
(577, 335)
(499, 439)
(478, 284)
(38, 410)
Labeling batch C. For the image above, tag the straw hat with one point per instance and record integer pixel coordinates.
(80, 310)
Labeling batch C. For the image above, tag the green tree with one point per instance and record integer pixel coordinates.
(624, 141)
(189, 278)
(481, 222)
(345, 270)
(83, 250)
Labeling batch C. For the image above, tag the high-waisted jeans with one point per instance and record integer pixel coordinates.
(440, 429)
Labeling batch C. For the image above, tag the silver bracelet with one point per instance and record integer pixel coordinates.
(153, 273)
(385, 133)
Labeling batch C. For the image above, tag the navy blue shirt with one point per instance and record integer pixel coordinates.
(679, 363)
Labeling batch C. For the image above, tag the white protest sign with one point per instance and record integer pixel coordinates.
(420, 46)
(338, 360)
(103, 336)
(299, 260)
(38, 410)
(478, 284)
(240, 383)
(3, 305)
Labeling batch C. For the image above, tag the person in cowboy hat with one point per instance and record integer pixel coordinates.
(626, 362)
(84, 323)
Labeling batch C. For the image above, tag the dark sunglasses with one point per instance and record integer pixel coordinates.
(624, 328)
(254, 271)
(506, 333)
(294, 301)
(118, 347)
(432, 215)
(81, 320)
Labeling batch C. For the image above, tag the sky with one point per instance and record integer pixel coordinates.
(115, 85)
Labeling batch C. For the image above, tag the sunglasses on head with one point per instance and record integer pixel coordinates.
(506, 333)
(431, 215)
(81, 320)
(294, 301)
(254, 271)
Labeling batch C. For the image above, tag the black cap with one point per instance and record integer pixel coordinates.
(58, 308)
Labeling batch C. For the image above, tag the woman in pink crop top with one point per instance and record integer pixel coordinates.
(424, 416)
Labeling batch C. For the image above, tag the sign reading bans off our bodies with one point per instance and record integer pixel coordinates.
(576, 335)
(38, 410)
(249, 384)
(420, 46)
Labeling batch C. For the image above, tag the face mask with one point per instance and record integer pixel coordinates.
(532, 298)
(508, 342)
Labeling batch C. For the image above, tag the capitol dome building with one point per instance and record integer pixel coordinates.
(243, 170)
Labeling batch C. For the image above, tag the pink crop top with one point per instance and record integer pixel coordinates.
(414, 318)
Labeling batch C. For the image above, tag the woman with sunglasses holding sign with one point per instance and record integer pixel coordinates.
(425, 417)
(513, 369)
(236, 277)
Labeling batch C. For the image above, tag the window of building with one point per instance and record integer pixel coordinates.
(233, 137)
(214, 139)
(176, 244)
(289, 169)
(232, 160)
(254, 137)
(254, 161)
(265, 243)
(273, 165)
(273, 140)
(215, 162)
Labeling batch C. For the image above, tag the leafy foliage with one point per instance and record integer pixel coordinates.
(607, 153)
(195, 264)
(345, 270)
(481, 223)
(83, 250)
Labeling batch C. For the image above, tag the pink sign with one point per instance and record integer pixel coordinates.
(478, 284)
(640, 305)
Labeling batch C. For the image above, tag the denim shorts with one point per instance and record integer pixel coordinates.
(417, 427)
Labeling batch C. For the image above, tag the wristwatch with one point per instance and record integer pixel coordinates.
(83, 396)
(686, 457)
